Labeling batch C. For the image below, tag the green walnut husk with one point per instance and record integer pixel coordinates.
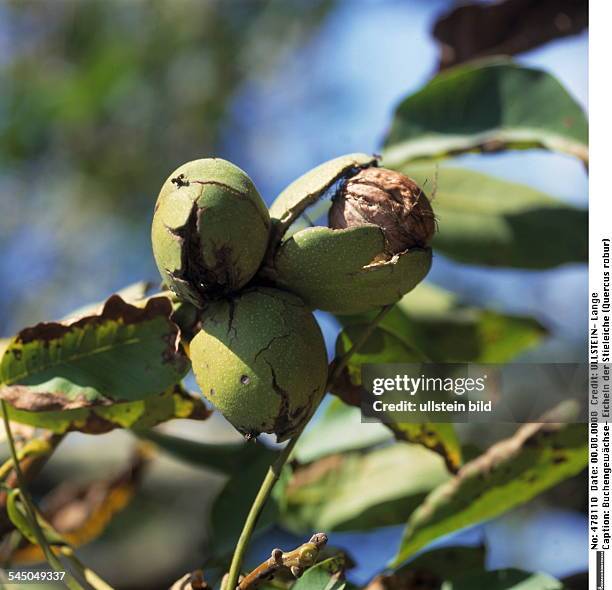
(260, 359)
(353, 269)
(210, 230)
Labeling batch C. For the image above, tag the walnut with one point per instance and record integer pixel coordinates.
(392, 201)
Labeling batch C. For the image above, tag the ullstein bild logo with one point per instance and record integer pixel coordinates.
(474, 393)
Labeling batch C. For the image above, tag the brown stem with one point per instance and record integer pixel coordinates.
(295, 561)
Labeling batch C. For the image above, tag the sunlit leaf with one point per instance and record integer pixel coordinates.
(359, 491)
(493, 222)
(487, 106)
(133, 294)
(443, 329)
(508, 474)
(386, 346)
(431, 324)
(325, 575)
(177, 402)
(124, 353)
(338, 429)
(438, 437)
(35, 447)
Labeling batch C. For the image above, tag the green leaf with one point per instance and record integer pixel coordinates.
(510, 473)
(509, 579)
(431, 323)
(359, 491)
(338, 429)
(123, 353)
(486, 106)
(233, 503)
(325, 575)
(439, 437)
(382, 346)
(176, 402)
(492, 222)
(227, 458)
(444, 329)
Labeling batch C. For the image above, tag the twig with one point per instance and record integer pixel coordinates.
(31, 511)
(91, 577)
(191, 580)
(295, 561)
(275, 469)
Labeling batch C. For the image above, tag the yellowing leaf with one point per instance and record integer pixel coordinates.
(508, 474)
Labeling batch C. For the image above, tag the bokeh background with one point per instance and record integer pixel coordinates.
(101, 100)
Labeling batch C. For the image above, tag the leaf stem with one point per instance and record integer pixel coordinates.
(29, 506)
(275, 469)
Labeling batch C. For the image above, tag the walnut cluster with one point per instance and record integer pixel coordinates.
(390, 200)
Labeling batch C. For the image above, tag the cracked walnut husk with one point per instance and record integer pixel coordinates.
(260, 359)
(376, 248)
(210, 230)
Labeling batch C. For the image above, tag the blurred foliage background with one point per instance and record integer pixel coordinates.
(100, 100)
